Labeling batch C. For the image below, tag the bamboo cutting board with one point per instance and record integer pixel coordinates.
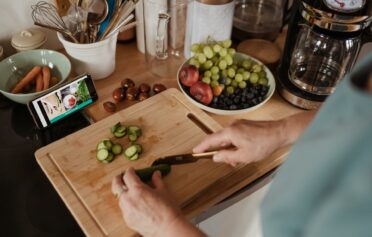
(170, 125)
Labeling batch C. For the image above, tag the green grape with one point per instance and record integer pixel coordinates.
(242, 84)
(222, 64)
(226, 43)
(234, 67)
(231, 72)
(224, 72)
(207, 73)
(256, 68)
(238, 77)
(223, 52)
(208, 64)
(222, 86)
(195, 48)
(206, 80)
(230, 89)
(247, 64)
(214, 60)
(208, 52)
(215, 77)
(214, 83)
(231, 51)
(234, 83)
(262, 74)
(240, 70)
(194, 61)
(246, 75)
(229, 60)
(201, 58)
(217, 48)
(254, 78)
(263, 81)
(228, 81)
(215, 70)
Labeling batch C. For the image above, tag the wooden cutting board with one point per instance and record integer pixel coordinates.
(170, 125)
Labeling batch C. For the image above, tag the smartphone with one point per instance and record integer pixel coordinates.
(63, 101)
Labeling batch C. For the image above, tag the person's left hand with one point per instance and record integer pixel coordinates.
(149, 211)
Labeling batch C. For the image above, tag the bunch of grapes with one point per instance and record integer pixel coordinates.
(228, 75)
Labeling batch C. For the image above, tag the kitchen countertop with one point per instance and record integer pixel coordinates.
(130, 63)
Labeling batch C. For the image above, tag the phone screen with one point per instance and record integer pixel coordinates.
(62, 102)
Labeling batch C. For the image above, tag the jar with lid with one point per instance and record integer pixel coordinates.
(28, 39)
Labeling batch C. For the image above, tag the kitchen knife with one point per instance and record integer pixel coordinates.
(183, 158)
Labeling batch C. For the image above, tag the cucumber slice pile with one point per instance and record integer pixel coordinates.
(106, 151)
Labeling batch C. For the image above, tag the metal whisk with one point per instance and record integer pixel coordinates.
(46, 15)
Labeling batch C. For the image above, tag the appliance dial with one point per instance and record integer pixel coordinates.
(345, 6)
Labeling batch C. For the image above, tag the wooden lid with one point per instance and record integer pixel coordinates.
(264, 50)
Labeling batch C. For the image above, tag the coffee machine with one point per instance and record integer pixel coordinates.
(323, 41)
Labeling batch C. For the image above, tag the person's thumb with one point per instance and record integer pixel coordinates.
(157, 181)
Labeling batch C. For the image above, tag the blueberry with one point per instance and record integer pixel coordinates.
(236, 100)
(250, 95)
(228, 102)
(233, 107)
(215, 100)
(254, 101)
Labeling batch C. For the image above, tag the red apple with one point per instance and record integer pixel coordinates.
(202, 92)
(189, 74)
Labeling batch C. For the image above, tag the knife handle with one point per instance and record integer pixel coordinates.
(204, 155)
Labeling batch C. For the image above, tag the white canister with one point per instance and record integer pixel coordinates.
(97, 59)
(28, 39)
(140, 27)
(208, 18)
(1, 53)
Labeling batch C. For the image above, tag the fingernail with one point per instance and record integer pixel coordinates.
(217, 158)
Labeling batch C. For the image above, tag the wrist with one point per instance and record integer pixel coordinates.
(178, 226)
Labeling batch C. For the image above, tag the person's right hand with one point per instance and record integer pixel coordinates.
(253, 140)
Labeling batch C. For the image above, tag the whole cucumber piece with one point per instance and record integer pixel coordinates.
(146, 174)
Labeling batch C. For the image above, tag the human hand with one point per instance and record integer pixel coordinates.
(253, 140)
(149, 211)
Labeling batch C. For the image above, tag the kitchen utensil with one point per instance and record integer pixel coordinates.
(165, 28)
(97, 13)
(28, 39)
(120, 15)
(16, 66)
(169, 124)
(323, 42)
(46, 15)
(123, 25)
(237, 56)
(256, 19)
(183, 158)
(98, 59)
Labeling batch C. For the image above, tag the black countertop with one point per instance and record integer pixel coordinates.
(29, 205)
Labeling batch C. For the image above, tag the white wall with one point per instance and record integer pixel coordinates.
(15, 16)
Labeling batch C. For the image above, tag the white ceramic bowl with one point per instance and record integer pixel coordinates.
(238, 56)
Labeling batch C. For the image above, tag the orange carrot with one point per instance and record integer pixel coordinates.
(39, 82)
(46, 77)
(53, 81)
(26, 80)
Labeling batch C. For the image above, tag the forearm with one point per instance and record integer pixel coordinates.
(293, 126)
(180, 227)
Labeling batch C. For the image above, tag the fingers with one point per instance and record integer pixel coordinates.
(227, 156)
(117, 186)
(157, 181)
(131, 180)
(216, 140)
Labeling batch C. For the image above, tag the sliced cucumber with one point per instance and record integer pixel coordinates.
(146, 174)
(119, 134)
(130, 151)
(110, 158)
(121, 129)
(132, 137)
(116, 149)
(108, 144)
(102, 154)
(139, 148)
(134, 130)
(134, 157)
(115, 127)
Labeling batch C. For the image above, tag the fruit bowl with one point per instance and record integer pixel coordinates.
(247, 99)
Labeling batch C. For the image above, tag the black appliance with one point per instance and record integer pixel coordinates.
(29, 205)
(323, 41)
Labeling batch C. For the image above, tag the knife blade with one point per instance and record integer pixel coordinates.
(183, 158)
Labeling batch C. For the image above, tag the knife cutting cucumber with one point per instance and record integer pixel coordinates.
(146, 174)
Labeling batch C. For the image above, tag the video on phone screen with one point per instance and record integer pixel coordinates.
(65, 101)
